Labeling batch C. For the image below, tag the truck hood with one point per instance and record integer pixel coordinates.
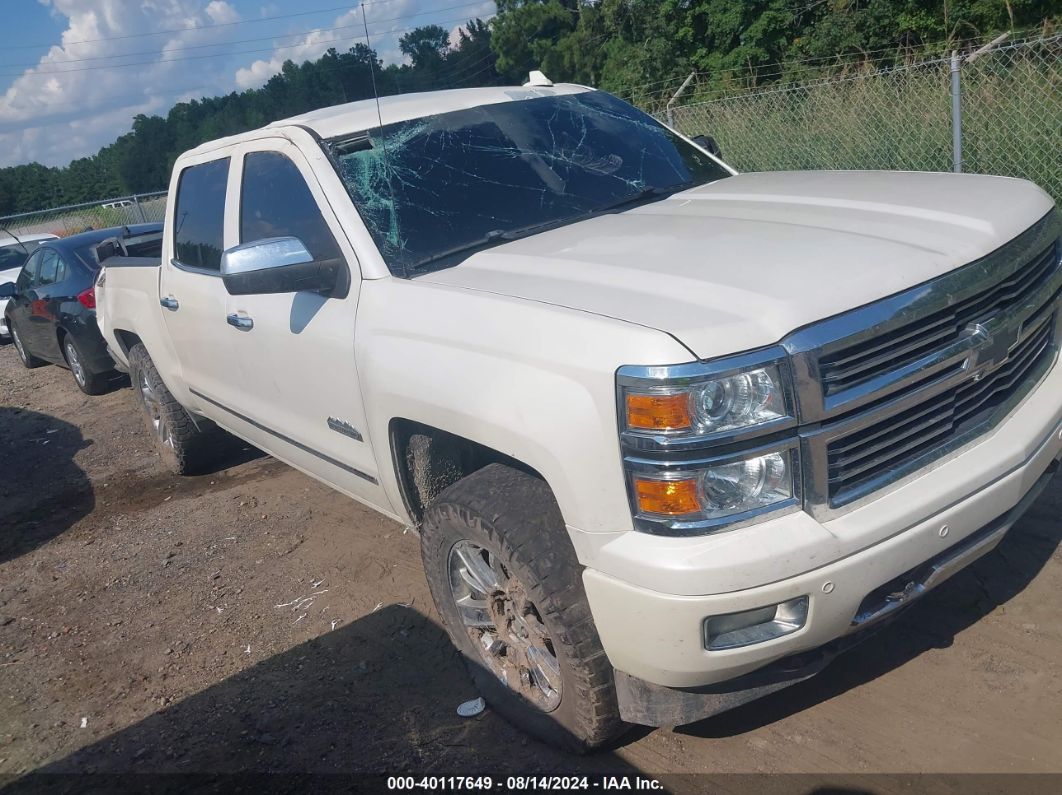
(740, 263)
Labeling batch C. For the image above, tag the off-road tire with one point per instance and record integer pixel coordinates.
(90, 383)
(29, 361)
(514, 516)
(193, 445)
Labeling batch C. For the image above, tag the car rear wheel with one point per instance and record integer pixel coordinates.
(187, 445)
(87, 381)
(29, 361)
(504, 577)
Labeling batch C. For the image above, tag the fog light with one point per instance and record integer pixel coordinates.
(731, 630)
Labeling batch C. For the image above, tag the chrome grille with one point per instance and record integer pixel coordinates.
(885, 390)
(859, 363)
(900, 440)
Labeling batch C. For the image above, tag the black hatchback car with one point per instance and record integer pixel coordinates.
(52, 311)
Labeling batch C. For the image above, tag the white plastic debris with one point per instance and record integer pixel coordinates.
(470, 709)
(84, 723)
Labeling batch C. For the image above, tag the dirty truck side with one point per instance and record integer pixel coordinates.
(672, 436)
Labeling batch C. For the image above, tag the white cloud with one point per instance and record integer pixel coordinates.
(54, 118)
(484, 11)
(384, 30)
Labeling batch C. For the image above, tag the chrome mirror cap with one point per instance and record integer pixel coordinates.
(272, 252)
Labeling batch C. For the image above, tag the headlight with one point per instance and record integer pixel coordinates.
(703, 496)
(701, 442)
(702, 402)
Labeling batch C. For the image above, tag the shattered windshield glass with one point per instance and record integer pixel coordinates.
(434, 190)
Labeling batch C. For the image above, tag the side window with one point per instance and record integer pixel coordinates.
(28, 277)
(199, 215)
(276, 202)
(61, 272)
(49, 267)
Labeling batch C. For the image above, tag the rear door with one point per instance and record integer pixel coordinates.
(296, 362)
(190, 290)
(43, 317)
(19, 308)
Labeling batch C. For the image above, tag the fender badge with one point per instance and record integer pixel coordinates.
(345, 428)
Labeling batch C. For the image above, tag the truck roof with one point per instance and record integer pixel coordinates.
(354, 117)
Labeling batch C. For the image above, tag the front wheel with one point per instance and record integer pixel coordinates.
(87, 381)
(505, 579)
(29, 361)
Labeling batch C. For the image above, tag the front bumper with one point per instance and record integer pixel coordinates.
(657, 637)
(649, 704)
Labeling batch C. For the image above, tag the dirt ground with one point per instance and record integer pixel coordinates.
(252, 619)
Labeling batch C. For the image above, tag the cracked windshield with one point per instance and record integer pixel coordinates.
(434, 190)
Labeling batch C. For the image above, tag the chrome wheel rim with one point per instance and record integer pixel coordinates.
(504, 624)
(75, 363)
(154, 410)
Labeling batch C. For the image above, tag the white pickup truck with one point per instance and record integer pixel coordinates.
(672, 436)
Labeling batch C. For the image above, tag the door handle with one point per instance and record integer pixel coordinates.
(240, 321)
(169, 302)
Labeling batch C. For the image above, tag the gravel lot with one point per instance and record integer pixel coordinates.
(252, 619)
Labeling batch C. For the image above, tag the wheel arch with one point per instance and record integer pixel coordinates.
(450, 457)
(126, 340)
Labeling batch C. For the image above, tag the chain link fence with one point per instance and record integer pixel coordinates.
(898, 117)
(71, 219)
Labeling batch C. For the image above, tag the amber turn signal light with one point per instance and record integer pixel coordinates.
(670, 497)
(658, 412)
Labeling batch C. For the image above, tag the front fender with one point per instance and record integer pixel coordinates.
(530, 380)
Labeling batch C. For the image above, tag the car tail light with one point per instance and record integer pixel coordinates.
(88, 298)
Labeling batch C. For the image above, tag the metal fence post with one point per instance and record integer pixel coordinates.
(956, 115)
(139, 209)
(674, 99)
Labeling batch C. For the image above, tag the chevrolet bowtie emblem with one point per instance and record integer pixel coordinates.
(992, 341)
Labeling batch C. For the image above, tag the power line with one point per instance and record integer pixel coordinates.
(241, 41)
(153, 62)
(346, 7)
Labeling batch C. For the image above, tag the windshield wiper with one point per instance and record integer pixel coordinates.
(492, 238)
(498, 236)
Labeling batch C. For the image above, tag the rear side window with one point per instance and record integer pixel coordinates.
(199, 215)
(276, 202)
(49, 268)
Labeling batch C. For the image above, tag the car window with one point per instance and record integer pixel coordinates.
(12, 256)
(61, 272)
(49, 266)
(27, 279)
(199, 215)
(275, 201)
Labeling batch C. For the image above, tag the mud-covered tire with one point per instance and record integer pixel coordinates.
(87, 381)
(29, 361)
(187, 447)
(514, 516)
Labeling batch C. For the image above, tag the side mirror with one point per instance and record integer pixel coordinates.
(8, 290)
(708, 143)
(280, 265)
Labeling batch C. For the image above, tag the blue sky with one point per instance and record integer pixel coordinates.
(73, 73)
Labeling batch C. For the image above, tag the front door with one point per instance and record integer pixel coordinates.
(295, 351)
